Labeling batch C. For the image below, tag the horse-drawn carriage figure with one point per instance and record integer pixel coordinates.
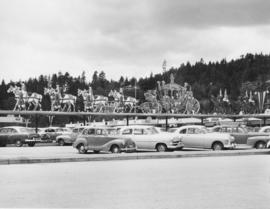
(120, 103)
(170, 98)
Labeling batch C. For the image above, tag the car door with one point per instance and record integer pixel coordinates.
(193, 138)
(102, 138)
(14, 136)
(3, 137)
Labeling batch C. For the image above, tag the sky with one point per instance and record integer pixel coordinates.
(129, 38)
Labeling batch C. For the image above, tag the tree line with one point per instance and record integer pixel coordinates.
(250, 72)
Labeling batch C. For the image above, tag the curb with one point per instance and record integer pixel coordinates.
(131, 156)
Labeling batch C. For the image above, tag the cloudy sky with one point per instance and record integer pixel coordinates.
(126, 37)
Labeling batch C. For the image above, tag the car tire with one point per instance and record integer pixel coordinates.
(115, 149)
(217, 146)
(61, 142)
(19, 143)
(81, 149)
(161, 148)
(31, 144)
(260, 145)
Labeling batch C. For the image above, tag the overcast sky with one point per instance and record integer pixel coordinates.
(126, 37)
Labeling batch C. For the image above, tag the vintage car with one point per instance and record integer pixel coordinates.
(49, 134)
(103, 139)
(18, 135)
(197, 136)
(258, 142)
(69, 137)
(264, 129)
(150, 138)
(240, 133)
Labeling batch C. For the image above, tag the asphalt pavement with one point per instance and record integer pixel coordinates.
(241, 182)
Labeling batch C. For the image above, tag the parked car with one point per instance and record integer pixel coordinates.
(268, 144)
(240, 133)
(149, 138)
(18, 135)
(103, 139)
(69, 137)
(264, 129)
(197, 136)
(49, 134)
(258, 142)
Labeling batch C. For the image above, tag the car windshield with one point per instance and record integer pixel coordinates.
(151, 130)
(26, 130)
(172, 130)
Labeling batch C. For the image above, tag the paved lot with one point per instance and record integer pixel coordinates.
(241, 182)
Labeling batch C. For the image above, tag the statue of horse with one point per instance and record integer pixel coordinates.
(55, 98)
(34, 101)
(127, 103)
(88, 100)
(21, 97)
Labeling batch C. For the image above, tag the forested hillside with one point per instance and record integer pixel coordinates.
(250, 72)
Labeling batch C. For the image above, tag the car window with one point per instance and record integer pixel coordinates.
(3, 130)
(127, 131)
(12, 130)
(183, 131)
(100, 132)
(267, 130)
(75, 130)
(112, 131)
(191, 131)
(138, 131)
(91, 131)
(151, 130)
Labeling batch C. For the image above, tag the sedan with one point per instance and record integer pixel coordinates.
(149, 138)
(18, 135)
(103, 139)
(240, 133)
(196, 136)
(49, 134)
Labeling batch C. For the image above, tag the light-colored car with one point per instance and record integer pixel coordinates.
(103, 139)
(240, 133)
(69, 137)
(149, 138)
(18, 135)
(197, 136)
(258, 142)
(264, 129)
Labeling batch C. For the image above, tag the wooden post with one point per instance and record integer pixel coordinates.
(127, 121)
(36, 122)
(167, 125)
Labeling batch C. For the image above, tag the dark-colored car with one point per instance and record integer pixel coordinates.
(18, 135)
(103, 139)
(49, 134)
(240, 134)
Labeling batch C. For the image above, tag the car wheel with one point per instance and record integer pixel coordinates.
(31, 144)
(217, 146)
(260, 145)
(19, 143)
(161, 148)
(81, 149)
(61, 142)
(115, 149)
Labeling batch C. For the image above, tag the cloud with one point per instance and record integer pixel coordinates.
(129, 38)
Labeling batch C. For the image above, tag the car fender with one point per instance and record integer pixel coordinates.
(80, 141)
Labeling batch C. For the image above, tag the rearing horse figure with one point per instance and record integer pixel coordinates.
(55, 97)
(20, 97)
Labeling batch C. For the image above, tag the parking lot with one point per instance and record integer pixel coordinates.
(238, 182)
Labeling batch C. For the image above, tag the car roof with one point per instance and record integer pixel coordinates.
(191, 126)
(136, 126)
(14, 127)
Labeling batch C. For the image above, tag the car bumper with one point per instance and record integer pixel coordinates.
(175, 147)
(128, 149)
(230, 146)
(33, 140)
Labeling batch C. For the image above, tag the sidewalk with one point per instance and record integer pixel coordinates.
(21, 155)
